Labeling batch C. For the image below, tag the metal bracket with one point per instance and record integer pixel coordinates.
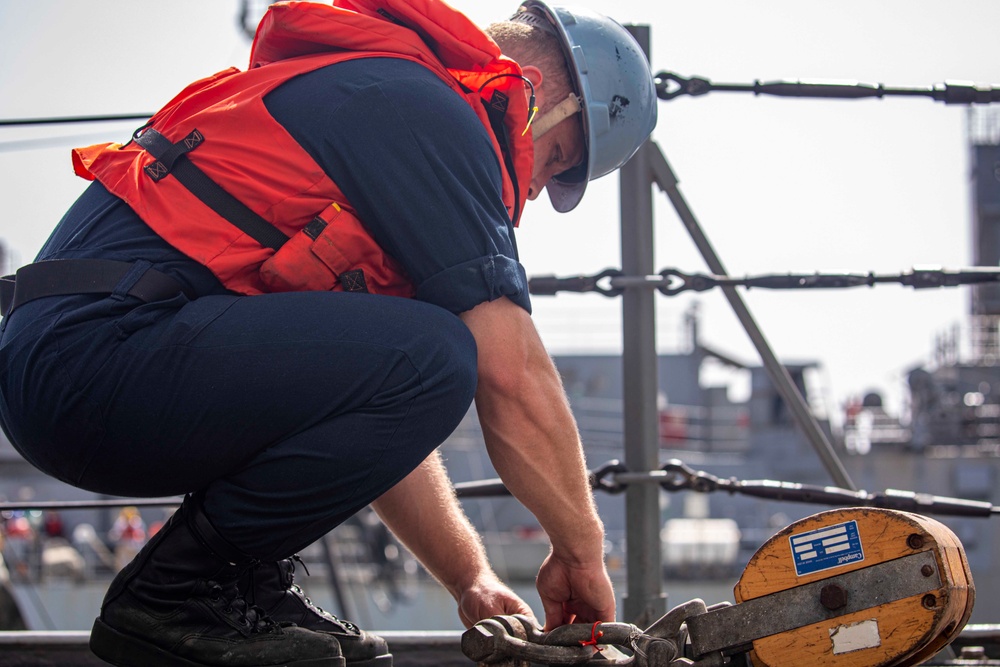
(733, 629)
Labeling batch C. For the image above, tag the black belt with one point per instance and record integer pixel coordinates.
(60, 277)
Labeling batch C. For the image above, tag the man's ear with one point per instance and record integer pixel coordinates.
(533, 74)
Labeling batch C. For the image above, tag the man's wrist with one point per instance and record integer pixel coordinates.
(583, 548)
(470, 579)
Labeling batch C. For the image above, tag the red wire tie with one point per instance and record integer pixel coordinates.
(594, 636)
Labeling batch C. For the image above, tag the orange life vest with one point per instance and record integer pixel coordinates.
(220, 127)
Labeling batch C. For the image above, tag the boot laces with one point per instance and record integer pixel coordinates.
(249, 615)
(295, 588)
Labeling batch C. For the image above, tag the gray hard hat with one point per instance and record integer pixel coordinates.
(611, 75)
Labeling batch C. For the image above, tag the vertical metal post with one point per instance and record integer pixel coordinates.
(644, 600)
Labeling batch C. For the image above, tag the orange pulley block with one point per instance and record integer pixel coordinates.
(859, 587)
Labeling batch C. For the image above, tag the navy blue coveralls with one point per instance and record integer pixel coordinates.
(290, 412)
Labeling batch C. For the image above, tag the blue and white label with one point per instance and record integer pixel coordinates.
(826, 548)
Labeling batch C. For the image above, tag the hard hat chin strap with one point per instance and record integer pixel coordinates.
(557, 114)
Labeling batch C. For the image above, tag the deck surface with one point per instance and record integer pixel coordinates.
(69, 649)
(409, 649)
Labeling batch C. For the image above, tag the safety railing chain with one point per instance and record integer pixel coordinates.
(614, 477)
(671, 282)
(670, 85)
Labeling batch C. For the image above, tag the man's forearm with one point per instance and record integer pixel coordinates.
(534, 446)
(424, 504)
(530, 431)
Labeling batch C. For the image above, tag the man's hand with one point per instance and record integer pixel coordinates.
(574, 592)
(489, 597)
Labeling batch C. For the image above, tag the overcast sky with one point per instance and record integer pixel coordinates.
(778, 185)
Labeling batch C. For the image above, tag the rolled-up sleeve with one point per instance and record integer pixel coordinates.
(460, 288)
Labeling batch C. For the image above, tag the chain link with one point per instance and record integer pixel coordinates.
(670, 85)
(614, 477)
(671, 282)
(599, 478)
(503, 639)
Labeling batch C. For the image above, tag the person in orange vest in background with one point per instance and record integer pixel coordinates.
(219, 315)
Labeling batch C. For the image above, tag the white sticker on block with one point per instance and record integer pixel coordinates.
(855, 637)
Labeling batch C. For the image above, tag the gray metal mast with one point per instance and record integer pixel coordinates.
(644, 599)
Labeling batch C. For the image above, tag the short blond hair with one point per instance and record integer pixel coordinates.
(528, 45)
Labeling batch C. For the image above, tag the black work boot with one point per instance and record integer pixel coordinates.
(177, 604)
(272, 586)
